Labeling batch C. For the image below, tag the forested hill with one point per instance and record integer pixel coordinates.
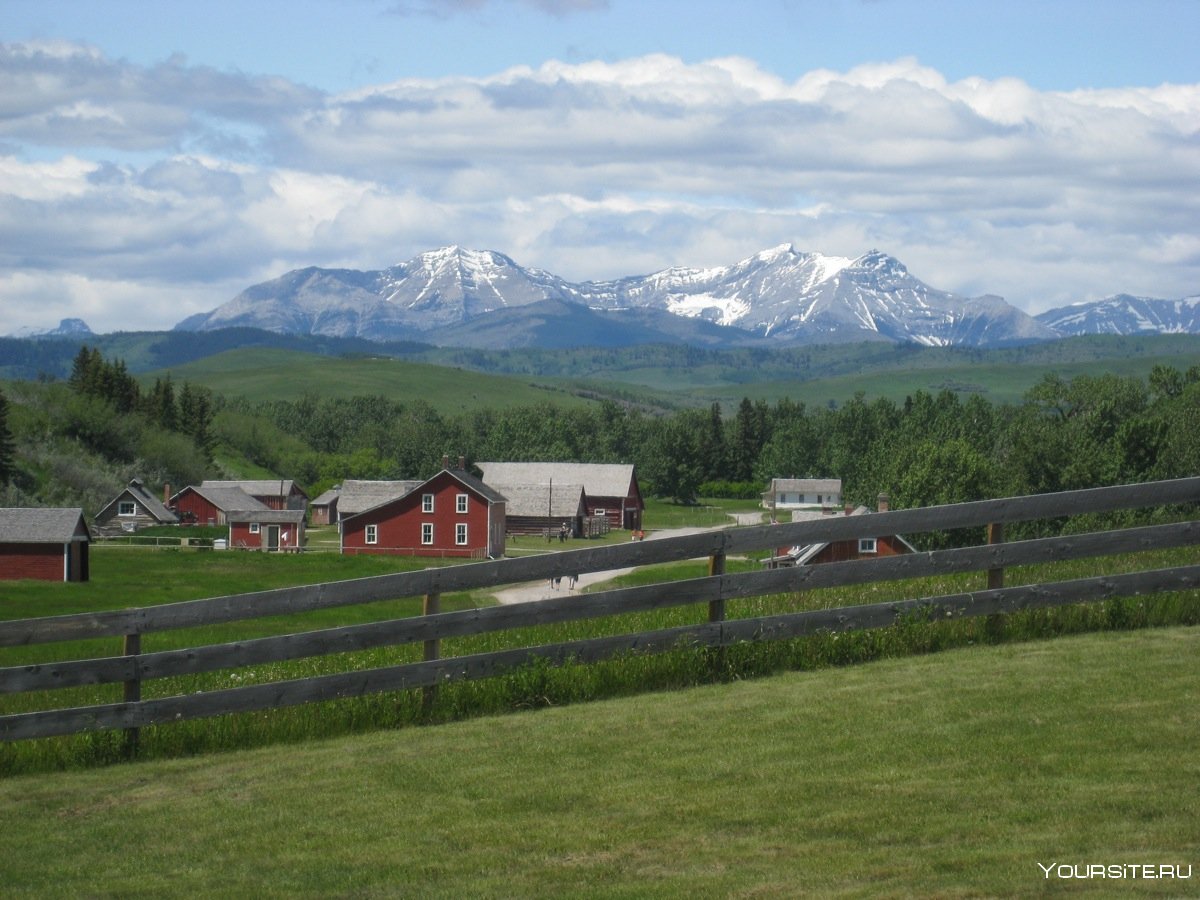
(695, 375)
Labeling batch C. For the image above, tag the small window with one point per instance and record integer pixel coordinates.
(600, 512)
(426, 532)
(427, 503)
(460, 534)
(126, 508)
(255, 527)
(867, 545)
(372, 536)
(460, 503)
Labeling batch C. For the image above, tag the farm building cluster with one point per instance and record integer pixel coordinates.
(453, 514)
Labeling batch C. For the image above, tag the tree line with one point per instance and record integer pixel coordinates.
(931, 448)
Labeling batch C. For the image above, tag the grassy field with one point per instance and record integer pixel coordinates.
(956, 774)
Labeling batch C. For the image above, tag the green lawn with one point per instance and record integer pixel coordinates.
(954, 774)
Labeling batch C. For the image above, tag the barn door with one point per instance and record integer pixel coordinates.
(272, 537)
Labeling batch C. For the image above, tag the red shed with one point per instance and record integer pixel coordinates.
(48, 544)
(266, 529)
(453, 514)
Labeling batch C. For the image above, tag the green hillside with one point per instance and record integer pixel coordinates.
(274, 374)
(667, 377)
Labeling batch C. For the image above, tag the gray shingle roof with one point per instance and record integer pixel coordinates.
(806, 485)
(598, 479)
(226, 498)
(42, 526)
(265, 516)
(533, 500)
(263, 487)
(357, 496)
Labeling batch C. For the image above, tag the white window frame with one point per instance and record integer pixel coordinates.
(255, 528)
(426, 533)
(123, 504)
(371, 534)
(868, 545)
(460, 534)
(427, 503)
(460, 503)
(600, 512)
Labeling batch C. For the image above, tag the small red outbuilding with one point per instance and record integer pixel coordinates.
(47, 544)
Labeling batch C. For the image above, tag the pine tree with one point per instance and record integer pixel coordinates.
(7, 452)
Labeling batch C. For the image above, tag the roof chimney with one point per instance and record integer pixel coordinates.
(166, 493)
(849, 508)
(445, 462)
(882, 502)
(462, 462)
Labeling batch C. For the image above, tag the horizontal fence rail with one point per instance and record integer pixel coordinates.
(133, 668)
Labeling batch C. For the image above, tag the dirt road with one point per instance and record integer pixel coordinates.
(542, 590)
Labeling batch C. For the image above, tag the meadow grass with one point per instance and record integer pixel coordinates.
(952, 775)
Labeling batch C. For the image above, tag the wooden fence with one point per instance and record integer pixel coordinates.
(133, 667)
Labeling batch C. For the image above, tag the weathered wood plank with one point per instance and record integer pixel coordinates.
(636, 553)
(715, 589)
(351, 684)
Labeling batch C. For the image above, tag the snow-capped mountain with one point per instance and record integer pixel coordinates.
(483, 298)
(68, 328)
(1124, 314)
(432, 291)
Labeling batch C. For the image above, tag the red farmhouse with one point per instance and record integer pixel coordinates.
(453, 514)
(48, 544)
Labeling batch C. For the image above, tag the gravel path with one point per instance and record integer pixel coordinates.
(542, 590)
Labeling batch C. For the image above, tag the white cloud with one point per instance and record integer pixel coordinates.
(199, 182)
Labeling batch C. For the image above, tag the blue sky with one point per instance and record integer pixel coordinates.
(157, 158)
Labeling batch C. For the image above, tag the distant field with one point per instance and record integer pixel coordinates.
(958, 774)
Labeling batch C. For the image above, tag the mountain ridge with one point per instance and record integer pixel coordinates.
(779, 296)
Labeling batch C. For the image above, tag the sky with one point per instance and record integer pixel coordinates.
(156, 159)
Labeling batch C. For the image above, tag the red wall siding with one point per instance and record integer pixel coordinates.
(399, 523)
(189, 501)
(41, 561)
(841, 551)
(240, 536)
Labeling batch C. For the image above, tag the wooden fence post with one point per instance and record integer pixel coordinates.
(995, 535)
(133, 690)
(433, 648)
(716, 566)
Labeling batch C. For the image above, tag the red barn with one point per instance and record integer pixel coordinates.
(47, 544)
(266, 529)
(208, 505)
(453, 514)
(273, 493)
(612, 490)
